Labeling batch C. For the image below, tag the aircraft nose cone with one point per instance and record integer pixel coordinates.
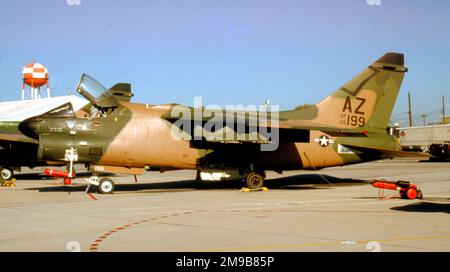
(29, 127)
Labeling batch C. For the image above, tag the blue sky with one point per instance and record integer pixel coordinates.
(228, 52)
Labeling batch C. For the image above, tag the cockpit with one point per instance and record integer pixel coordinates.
(102, 99)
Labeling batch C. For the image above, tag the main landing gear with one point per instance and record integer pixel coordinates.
(6, 177)
(6, 173)
(252, 177)
(255, 180)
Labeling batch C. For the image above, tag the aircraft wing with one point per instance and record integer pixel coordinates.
(183, 113)
(388, 153)
(289, 130)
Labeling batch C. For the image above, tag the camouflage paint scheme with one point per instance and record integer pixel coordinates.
(347, 127)
(17, 150)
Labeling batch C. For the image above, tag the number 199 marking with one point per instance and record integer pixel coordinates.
(353, 120)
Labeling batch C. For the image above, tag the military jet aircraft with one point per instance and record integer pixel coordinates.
(347, 127)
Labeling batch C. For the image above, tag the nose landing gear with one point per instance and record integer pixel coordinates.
(106, 186)
(6, 173)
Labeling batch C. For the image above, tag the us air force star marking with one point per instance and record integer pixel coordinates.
(323, 140)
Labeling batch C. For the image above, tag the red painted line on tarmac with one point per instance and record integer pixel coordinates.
(94, 246)
(91, 196)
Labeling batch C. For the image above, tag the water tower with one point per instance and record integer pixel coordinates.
(35, 76)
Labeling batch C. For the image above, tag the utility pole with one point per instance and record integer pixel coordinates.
(424, 118)
(443, 110)
(409, 112)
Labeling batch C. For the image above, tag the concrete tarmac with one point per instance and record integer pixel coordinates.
(334, 209)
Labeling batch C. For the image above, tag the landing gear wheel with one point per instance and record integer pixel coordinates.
(6, 173)
(106, 186)
(254, 180)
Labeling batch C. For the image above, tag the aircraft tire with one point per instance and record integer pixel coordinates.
(6, 173)
(106, 186)
(254, 180)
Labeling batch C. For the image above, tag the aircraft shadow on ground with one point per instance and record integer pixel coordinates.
(435, 160)
(297, 182)
(426, 207)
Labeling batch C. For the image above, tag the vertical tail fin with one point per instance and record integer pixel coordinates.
(363, 103)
